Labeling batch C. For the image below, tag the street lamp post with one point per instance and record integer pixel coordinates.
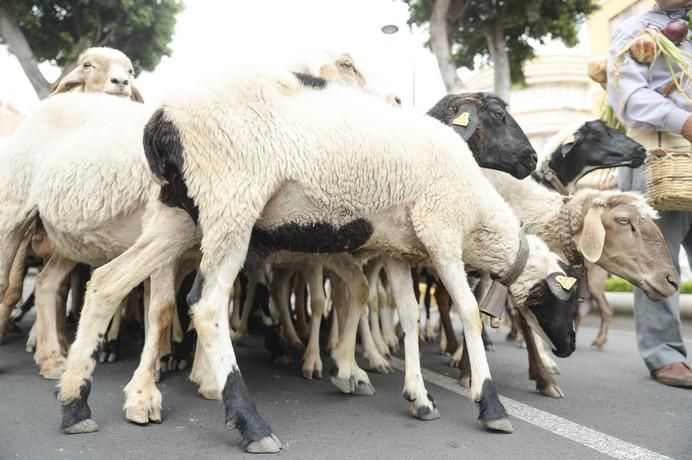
(391, 29)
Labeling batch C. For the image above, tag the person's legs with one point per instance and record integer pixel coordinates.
(659, 332)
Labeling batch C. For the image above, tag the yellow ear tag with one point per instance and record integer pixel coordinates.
(566, 282)
(462, 120)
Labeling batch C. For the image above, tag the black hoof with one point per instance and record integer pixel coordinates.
(76, 416)
(491, 412)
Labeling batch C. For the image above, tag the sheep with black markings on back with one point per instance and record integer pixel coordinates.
(368, 177)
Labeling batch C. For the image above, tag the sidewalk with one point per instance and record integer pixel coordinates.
(622, 303)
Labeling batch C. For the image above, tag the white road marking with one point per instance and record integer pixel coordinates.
(581, 434)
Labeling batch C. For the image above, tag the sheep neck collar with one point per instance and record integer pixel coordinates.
(551, 177)
(493, 303)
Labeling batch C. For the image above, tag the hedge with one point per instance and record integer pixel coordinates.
(616, 284)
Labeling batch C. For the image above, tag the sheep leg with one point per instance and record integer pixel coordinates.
(422, 404)
(377, 362)
(203, 376)
(333, 340)
(492, 413)
(347, 376)
(299, 287)
(280, 290)
(430, 329)
(442, 299)
(545, 384)
(31, 339)
(10, 243)
(543, 355)
(312, 363)
(48, 354)
(142, 398)
(464, 365)
(61, 313)
(386, 318)
(13, 293)
(109, 348)
(253, 279)
(372, 271)
(78, 281)
(606, 312)
(237, 301)
(168, 232)
(210, 316)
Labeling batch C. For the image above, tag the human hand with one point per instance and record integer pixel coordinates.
(687, 129)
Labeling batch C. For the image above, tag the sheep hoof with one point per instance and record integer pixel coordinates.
(309, 374)
(157, 376)
(112, 357)
(210, 393)
(501, 425)
(266, 445)
(351, 386)
(598, 344)
(137, 415)
(85, 426)
(424, 413)
(465, 381)
(550, 390)
(363, 388)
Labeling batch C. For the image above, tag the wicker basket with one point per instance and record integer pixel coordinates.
(668, 175)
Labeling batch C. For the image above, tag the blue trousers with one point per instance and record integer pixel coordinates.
(659, 331)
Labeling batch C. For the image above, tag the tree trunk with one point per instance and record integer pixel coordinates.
(495, 36)
(441, 46)
(14, 37)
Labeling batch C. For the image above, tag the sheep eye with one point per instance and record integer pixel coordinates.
(130, 71)
(86, 65)
(346, 65)
(623, 220)
(498, 115)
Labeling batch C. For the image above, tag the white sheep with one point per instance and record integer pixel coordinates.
(99, 220)
(611, 229)
(262, 161)
(101, 70)
(98, 70)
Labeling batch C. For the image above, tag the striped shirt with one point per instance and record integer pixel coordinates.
(634, 90)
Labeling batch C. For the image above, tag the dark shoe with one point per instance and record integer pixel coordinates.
(675, 374)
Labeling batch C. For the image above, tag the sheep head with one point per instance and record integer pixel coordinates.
(493, 135)
(616, 231)
(592, 146)
(546, 296)
(101, 70)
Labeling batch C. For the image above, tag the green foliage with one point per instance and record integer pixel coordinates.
(522, 21)
(58, 30)
(617, 284)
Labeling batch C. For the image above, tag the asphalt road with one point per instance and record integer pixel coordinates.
(612, 409)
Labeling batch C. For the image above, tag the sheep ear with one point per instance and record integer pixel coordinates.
(466, 121)
(71, 80)
(136, 95)
(590, 242)
(569, 144)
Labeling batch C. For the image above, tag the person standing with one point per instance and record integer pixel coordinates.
(636, 93)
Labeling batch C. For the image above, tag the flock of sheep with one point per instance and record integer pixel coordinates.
(263, 181)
